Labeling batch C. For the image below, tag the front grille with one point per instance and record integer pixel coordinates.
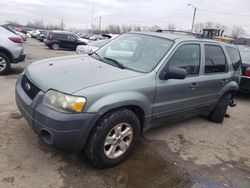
(30, 89)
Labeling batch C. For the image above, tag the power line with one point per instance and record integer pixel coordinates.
(225, 13)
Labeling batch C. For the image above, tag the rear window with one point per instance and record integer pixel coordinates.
(9, 29)
(234, 57)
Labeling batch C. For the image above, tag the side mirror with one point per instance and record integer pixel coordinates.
(173, 73)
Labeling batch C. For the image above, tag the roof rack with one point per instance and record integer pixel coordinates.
(177, 31)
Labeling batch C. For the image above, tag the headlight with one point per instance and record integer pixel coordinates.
(64, 103)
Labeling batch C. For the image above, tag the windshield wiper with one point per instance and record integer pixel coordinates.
(115, 62)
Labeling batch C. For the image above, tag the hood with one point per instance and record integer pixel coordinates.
(69, 74)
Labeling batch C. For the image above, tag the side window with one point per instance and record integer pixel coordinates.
(71, 37)
(59, 36)
(187, 57)
(215, 60)
(234, 56)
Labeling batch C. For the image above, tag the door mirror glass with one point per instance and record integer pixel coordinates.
(173, 73)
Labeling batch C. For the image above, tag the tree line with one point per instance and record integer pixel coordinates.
(234, 31)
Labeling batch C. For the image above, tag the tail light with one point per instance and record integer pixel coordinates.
(247, 72)
(16, 39)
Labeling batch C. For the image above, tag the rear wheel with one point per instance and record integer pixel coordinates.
(218, 113)
(4, 63)
(114, 138)
(55, 46)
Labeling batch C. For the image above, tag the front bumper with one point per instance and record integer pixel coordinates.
(66, 131)
(245, 83)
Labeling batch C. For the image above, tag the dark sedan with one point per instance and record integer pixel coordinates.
(245, 79)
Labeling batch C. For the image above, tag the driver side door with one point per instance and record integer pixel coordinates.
(178, 98)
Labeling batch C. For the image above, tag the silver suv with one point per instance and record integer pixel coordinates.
(11, 48)
(102, 103)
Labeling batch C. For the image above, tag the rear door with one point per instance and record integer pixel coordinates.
(215, 74)
(175, 97)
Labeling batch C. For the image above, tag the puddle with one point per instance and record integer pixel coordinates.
(145, 168)
(151, 165)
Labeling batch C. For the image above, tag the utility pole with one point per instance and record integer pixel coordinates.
(92, 17)
(62, 25)
(193, 16)
(100, 23)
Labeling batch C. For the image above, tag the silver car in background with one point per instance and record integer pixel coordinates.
(90, 48)
(11, 48)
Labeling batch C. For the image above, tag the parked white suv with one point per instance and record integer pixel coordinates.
(11, 48)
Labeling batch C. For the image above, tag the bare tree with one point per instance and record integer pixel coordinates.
(35, 24)
(237, 31)
(115, 29)
(14, 23)
(137, 28)
(208, 25)
(154, 28)
(198, 27)
(171, 27)
(126, 28)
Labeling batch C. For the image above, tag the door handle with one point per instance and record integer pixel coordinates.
(194, 85)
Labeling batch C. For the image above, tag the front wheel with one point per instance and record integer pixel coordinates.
(113, 138)
(4, 63)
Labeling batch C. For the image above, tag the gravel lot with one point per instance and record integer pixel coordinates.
(193, 153)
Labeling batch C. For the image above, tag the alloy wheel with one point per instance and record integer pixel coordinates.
(3, 64)
(118, 140)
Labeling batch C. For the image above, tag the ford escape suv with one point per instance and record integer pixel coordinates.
(101, 103)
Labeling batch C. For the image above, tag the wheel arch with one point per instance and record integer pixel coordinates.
(7, 53)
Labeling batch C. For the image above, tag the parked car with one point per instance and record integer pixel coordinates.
(34, 33)
(102, 103)
(91, 47)
(42, 35)
(63, 39)
(245, 79)
(24, 37)
(11, 48)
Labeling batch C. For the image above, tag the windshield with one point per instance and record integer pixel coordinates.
(245, 55)
(76, 36)
(135, 51)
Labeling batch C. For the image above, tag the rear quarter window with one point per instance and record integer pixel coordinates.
(234, 57)
(60, 36)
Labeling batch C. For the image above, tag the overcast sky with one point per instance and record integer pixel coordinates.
(77, 13)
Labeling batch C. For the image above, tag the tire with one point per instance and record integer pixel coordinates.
(218, 113)
(99, 148)
(4, 64)
(55, 46)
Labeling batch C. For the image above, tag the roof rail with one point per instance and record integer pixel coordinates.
(177, 31)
